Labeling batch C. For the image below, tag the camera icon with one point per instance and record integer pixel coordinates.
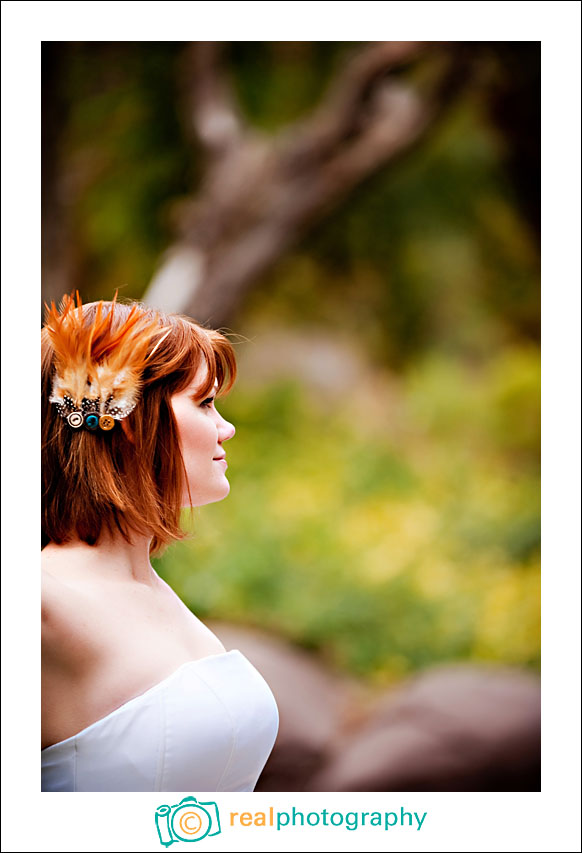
(189, 820)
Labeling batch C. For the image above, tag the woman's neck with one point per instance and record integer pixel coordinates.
(112, 558)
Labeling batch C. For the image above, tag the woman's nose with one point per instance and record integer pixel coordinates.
(226, 429)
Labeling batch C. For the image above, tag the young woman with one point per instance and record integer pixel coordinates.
(137, 694)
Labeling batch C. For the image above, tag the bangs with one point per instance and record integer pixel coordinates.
(220, 362)
(177, 356)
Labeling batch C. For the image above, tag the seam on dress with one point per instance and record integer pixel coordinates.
(75, 767)
(233, 728)
(162, 740)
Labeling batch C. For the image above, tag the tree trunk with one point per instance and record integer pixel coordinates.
(261, 194)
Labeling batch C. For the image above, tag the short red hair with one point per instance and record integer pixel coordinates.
(103, 481)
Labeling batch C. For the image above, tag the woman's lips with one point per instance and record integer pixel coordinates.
(223, 460)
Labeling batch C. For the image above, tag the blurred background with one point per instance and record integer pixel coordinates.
(363, 220)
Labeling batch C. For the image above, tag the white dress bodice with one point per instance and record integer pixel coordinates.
(209, 726)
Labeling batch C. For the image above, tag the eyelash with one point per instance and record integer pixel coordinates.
(207, 403)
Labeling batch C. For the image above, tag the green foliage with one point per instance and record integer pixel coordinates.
(430, 253)
(278, 82)
(127, 156)
(385, 547)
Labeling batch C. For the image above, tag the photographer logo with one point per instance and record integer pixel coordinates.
(189, 820)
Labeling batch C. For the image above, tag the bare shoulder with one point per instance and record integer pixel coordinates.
(51, 593)
(63, 633)
(56, 597)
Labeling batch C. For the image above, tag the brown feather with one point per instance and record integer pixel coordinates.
(95, 362)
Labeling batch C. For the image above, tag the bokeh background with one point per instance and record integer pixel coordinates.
(363, 220)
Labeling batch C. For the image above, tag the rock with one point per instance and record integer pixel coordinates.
(457, 727)
(451, 728)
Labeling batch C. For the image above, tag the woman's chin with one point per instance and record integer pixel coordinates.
(226, 489)
(202, 500)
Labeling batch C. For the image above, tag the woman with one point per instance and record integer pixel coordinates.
(137, 694)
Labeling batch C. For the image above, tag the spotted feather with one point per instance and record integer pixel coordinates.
(96, 362)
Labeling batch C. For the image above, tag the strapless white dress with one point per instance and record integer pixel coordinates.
(210, 726)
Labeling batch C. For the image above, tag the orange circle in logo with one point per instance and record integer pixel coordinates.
(190, 823)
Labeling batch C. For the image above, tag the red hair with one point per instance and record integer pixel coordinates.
(105, 481)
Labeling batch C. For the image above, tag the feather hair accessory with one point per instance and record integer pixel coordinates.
(98, 368)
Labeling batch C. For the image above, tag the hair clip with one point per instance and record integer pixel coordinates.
(97, 368)
(89, 414)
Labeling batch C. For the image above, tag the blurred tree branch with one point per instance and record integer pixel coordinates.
(215, 119)
(260, 193)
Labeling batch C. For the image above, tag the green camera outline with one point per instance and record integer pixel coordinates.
(165, 815)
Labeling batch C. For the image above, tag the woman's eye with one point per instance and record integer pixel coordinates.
(208, 402)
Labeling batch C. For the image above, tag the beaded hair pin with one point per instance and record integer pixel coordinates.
(97, 368)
